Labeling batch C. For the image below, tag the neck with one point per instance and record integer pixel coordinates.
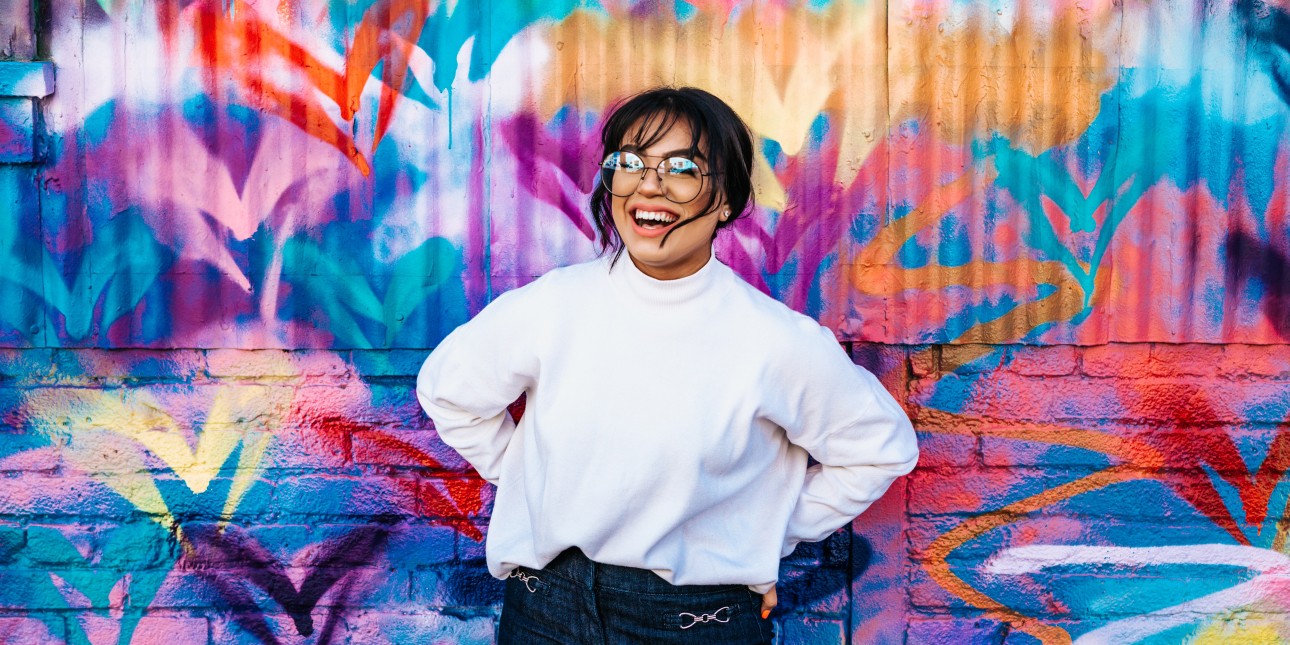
(658, 291)
(689, 267)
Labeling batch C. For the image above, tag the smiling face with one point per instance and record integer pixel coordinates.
(644, 217)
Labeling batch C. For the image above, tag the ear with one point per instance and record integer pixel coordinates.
(720, 206)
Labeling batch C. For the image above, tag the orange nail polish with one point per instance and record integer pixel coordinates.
(765, 613)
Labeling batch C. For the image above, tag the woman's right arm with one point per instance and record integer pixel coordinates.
(474, 374)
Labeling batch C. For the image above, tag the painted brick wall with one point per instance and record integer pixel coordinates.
(1111, 492)
(231, 230)
(232, 496)
(1121, 493)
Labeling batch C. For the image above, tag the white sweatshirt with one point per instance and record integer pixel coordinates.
(667, 423)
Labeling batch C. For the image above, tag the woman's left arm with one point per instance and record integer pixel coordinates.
(843, 416)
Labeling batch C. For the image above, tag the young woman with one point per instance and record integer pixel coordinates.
(660, 470)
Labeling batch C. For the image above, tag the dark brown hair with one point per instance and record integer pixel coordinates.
(717, 133)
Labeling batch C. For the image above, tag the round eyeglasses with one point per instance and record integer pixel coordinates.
(680, 178)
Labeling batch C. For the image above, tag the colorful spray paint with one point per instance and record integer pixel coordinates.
(232, 229)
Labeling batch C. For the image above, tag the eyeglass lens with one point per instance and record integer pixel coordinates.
(622, 173)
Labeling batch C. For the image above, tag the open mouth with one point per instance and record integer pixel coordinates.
(653, 220)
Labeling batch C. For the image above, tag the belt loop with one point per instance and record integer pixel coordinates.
(593, 580)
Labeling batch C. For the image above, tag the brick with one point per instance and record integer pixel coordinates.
(1011, 397)
(139, 365)
(934, 421)
(1259, 402)
(943, 450)
(416, 544)
(1110, 593)
(397, 404)
(419, 448)
(32, 452)
(37, 591)
(136, 545)
(887, 362)
(77, 588)
(190, 588)
(1007, 452)
(80, 410)
(420, 626)
(925, 361)
(1152, 501)
(1255, 360)
(805, 554)
(837, 549)
(215, 546)
(19, 365)
(1058, 360)
(1155, 497)
(326, 496)
(251, 364)
(833, 551)
(245, 628)
(974, 491)
(923, 532)
(381, 405)
(1117, 361)
(961, 631)
(877, 562)
(925, 595)
(30, 630)
(172, 628)
(1037, 599)
(61, 545)
(1191, 359)
(15, 418)
(340, 408)
(303, 448)
(469, 550)
(456, 497)
(1215, 449)
(813, 589)
(374, 365)
(71, 367)
(63, 370)
(231, 587)
(1244, 627)
(356, 545)
(812, 631)
(323, 366)
(12, 540)
(187, 505)
(58, 409)
(456, 586)
(1195, 401)
(367, 586)
(971, 359)
(28, 494)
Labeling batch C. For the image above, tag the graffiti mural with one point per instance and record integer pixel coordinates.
(1059, 231)
(920, 178)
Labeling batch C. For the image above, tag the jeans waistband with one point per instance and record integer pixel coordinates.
(574, 565)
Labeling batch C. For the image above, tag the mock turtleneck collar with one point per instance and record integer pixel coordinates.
(667, 292)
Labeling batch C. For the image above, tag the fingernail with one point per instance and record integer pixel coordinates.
(765, 613)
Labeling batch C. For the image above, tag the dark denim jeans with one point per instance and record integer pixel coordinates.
(574, 601)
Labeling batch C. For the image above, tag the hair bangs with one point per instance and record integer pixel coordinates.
(717, 135)
(656, 123)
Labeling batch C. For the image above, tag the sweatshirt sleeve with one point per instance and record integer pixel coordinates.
(469, 380)
(850, 424)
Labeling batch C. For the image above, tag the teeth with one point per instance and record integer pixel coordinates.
(649, 216)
